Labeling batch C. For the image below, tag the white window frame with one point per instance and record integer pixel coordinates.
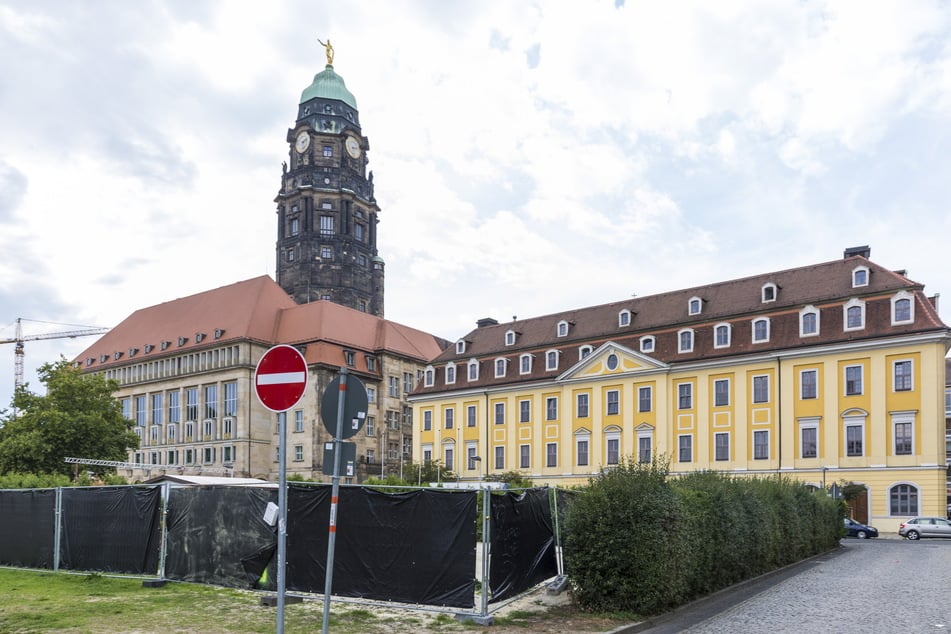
(648, 343)
(524, 456)
(609, 437)
(648, 435)
(472, 370)
(808, 310)
(427, 419)
(551, 412)
(694, 305)
(584, 352)
(802, 396)
(845, 380)
(753, 330)
(551, 457)
(551, 360)
(680, 340)
(716, 392)
(461, 346)
(903, 296)
(500, 363)
(616, 403)
(716, 335)
(680, 448)
(813, 424)
(471, 415)
(753, 378)
(898, 418)
(854, 421)
(586, 439)
(853, 303)
(911, 375)
(689, 387)
(510, 337)
(773, 288)
(587, 405)
(524, 413)
(472, 452)
(525, 363)
(855, 282)
(426, 452)
(623, 318)
(561, 330)
(450, 373)
(650, 398)
(761, 432)
(429, 376)
(716, 447)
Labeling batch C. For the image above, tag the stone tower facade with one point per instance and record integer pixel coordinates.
(326, 212)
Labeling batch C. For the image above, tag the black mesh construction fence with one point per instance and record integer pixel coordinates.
(217, 535)
(111, 529)
(522, 542)
(563, 499)
(414, 547)
(27, 527)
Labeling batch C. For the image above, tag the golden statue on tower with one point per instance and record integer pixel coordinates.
(329, 49)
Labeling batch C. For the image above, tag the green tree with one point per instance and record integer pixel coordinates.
(77, 417)
(428, 471)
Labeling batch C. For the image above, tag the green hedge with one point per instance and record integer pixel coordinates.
(639, 541)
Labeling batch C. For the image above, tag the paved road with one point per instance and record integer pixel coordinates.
(879, 586)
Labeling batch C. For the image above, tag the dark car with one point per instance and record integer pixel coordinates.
(918, 527)
(854, 529)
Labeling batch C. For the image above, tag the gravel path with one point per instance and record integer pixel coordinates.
(877, 585)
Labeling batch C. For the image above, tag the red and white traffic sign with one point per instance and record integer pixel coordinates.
(280, 378)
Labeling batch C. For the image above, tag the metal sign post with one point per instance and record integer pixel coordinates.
(280, 379)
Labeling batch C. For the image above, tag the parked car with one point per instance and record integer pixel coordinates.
(918, 527)
(862, 531)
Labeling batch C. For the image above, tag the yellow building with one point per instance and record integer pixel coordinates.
(828, 373)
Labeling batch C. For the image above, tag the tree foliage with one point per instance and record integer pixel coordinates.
(77, 417)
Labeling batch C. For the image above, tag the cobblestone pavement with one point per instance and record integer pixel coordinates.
(878, 586)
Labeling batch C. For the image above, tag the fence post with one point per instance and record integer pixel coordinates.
(559, 563)
(163, 527)
(486, 541)
(57, 528)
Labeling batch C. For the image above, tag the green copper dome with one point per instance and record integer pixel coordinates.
(329, 85)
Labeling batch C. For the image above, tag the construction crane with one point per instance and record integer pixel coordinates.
(145, 467)
(20, 338)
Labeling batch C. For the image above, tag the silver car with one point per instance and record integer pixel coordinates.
(918, 527)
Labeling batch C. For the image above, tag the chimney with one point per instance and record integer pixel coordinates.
(864, 251)
(486, 321)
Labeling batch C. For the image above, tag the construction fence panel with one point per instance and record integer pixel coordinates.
(522, 542)
(27, 527)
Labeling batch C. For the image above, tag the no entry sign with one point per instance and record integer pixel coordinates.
(280, 378)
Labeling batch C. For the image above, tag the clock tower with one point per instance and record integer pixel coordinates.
(327, 214)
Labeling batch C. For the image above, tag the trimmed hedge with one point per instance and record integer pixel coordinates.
(639, 541)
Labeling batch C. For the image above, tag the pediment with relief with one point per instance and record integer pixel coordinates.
(612, 359)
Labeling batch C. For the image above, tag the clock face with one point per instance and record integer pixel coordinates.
(353, 147)
(302, 143)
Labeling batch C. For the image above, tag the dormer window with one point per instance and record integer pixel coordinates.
(761, 330)
(854, 315)
(768, 292)
(461, 346)
(685, 340)
(647, 343)
(429, 376)
(624, 318)
(903, 308)
(694, 306)
(510, 338)
(551, 360)
(501, 365)
(859, 276)
(562, 329)
(722, 335)
(809, 322)
(348, 357)
(371, 364)
(473, 370)
(584, 351)
(450, 373)
(525, 364)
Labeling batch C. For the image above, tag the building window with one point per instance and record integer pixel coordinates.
(761, 389)
(808, 322)
(853, 380)
(326, 225)
(551, 454)
(295, 226)
(524, 456)
(854, 438)
(525, 364)
(393, 386)
(721, 446)
(524, 411)
(903, 309)
(171, 457)
(461, 346)
(685, 448)
(684, 396)
(562, 328)
(903, 426)
(721, 336)
(644, 448)
(208, 455)
(500, 365)
(298, 420)
(298, 453)
(326, 253)
(860, 276)
(809, 440)
(551, 360)
(371, 364)
(171, 433)
(613, 402)
(371, 394)
(408, 382)
(450, 373)
(473, 373)
(613, 442)
(429, 377)
(231, 399)
(694, 306)
(290, 255)
(647, 344)
(644, 399)
(157, 408)
(211, 401)
(903, 500)
(624, 318)
(427, 420)
(450, 458)
(760, 330)
(500, 413)
(761, 444)
(471, 416)
(471, 456)
(551, 408)
(769, 292)
(448, 417)
(141, 414)
(358, 232)
(500, 457)
(721, 392)
(581, 449)
(581, 410)
(510, 338)
(174, 407)
(808, 384)
(685, 341)
(349, 358)
(191, 403)
(854, 315)
(612, 362)
(902, 376)
(584, 352)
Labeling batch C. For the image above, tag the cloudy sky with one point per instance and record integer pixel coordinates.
(529, 157)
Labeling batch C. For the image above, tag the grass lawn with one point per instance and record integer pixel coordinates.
(36, 601)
